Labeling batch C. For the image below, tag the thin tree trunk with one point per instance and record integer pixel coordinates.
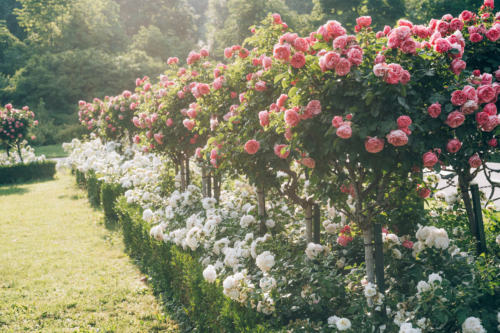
(308, 212)
(204, 182)
(216, 188)
(369, 257)
(262, 210)
(19, 151)
(187, 172)
(183, 179)
(209, 185)
(6, 148)
(464, 187)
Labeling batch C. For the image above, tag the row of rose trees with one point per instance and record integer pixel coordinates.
(343, 116)
(15, 126)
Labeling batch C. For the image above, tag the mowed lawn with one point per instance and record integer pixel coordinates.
(62, 270)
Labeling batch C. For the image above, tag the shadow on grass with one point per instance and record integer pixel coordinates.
(13, 190)
(31, 182)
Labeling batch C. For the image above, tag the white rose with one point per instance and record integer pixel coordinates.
(270, 223)
(423, 286)
(333, 320)
(434, 277)
(472, 325)
(229, 283)
(210, 274)
(147, 215)
(265, 261)
(343, 324)
(396, 253)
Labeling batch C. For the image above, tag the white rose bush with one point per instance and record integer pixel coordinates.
(342, 122)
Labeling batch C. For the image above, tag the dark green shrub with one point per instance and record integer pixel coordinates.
(109, 195)
(23, 172)
(93, 187)
(80, 178)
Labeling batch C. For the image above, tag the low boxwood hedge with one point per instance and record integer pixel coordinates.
(23, 172)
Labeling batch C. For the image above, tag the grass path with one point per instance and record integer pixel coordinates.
(61, 270)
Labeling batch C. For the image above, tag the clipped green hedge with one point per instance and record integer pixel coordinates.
(93, 187)
(23, 172)
(177, 277)
(109, 195)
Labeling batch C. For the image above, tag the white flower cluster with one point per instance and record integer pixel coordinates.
(331, 227)
(342, 324)
(27, 154)
(313, 250)
(372, 294)
(472, 325)
(430, 237)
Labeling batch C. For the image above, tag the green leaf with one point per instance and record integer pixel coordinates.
(369, 98)
(209, 142)
(353, 109)
(469, 151)
(449, 107)
(401, 101)
(403, 90)
(375, 112)
(278, 77)
(292, 91)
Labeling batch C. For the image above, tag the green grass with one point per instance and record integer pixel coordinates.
(52, 151)
(62, 270)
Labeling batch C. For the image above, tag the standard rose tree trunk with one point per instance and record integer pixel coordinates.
(464, 179)
(262, 210)
(204, 182)
(308, 217)
(369, 256)
(183, 176)
(19, 152)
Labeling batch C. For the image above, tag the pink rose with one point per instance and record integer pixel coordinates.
(374, 145)
(264, 118)
(470, 92)
(387, 29)
(355, 56)
(455, 119)
(453, 145)
(442, 27)
(340, 42)
(476, 38)
(456, 24)
(434, 110)
(298, 60)
(292, 118)
(180, 94)
(337, 121)
(344, 131)
(405, 77)
(466, 15)
(404, 121)
(458, 97)
(343, 67)
(213, 154)
(252, 146)
(379, 59)
(189, 123)
(490, 124)
(493, 35)
(267, 62)
(313, 107)
(397, 138)
(490, 109)
(159, 137)
(281, 100)
(169, 122)
(405, 129)
(198, 152)
(408, 244)
(228, 53)
(402, 32)
(309, 162)
(486, 79)
(485, 93)
(409, 46)
(489, 3)
(282, 52)
(242, 97)
(243, 53)
(137, 139)
(192, 113)
(126, 94)
(260, 86)
(475, 161)
(277, 151)
(300, 44)
(424, 192)
(457, 66)
(331, 59)
(430, 159)
(343, 240)
(492, 143)
(468, 108)
(216, 85)
(394, 42)
(442, 45)
(364, 21)
(172, 60)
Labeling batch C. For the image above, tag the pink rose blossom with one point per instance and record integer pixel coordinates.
(424, 192)
(228, 53)
(343, 67)
(314, 107)
(374, 145)
(475, 161)
(260, 86)
(458, 97)
(300, 44)
(337, 121)
(309, 162)
(430, 159)
(281, 100)
(292, 118)
(490, 109)
(169, 122)
(277, 151)
(492, 143)
(453, 145)
(397, 138)
(457, 66)
(282, 52)
(264, 118)
(404, 121)
(189, 124)
(476, 38)
(298, 60)
(455, 119)
(490, 124)
(344, 131)
(469, 107)
(485, 93)
(252, 146)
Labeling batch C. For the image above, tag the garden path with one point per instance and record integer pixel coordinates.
(62, 270)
